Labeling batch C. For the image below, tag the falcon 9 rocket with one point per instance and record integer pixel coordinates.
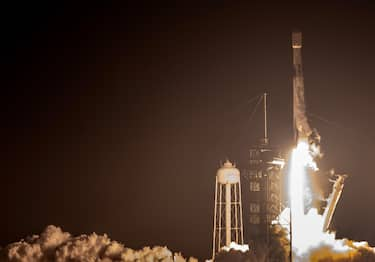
(302, 129)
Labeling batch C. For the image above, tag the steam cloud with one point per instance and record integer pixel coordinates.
(359, 252)
(323, 253)
(55, 245)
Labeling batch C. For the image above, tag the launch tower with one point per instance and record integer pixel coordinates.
(265, 182)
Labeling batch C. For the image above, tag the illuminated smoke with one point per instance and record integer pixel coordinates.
(55, 245)
(310, 242)
(235, 256)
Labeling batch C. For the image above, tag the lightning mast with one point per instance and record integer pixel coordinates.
(265, 119)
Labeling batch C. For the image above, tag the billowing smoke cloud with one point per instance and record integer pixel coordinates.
(361, 252)
(311, 239)
(235, 256)
(55, 245)
(279, 250)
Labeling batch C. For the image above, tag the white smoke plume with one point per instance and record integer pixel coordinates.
(355, 252)
(311, 240)
(55, 245)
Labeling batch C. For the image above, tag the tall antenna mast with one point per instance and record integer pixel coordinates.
(265, 119)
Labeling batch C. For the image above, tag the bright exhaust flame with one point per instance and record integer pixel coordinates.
(309, 241)
(301, 160)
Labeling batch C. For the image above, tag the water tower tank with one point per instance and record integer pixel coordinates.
(228, 173)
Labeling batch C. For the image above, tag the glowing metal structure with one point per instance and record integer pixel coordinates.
(333, 199)
(265, 182)
(228, 225)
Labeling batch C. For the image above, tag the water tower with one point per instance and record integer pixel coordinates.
(228, 226)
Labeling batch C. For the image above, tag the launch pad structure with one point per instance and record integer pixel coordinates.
(263, 184)
(264, 178)
(264, 198)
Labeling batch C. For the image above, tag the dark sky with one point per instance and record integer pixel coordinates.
(116, 117)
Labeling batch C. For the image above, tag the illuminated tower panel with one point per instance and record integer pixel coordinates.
(264, 203)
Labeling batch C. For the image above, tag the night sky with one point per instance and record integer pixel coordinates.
(115, 118)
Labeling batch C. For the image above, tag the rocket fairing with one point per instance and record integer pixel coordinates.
(301, 127)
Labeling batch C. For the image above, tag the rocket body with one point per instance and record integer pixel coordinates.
(302, 129)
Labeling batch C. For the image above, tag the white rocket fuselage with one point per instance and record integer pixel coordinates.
(302, 129)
